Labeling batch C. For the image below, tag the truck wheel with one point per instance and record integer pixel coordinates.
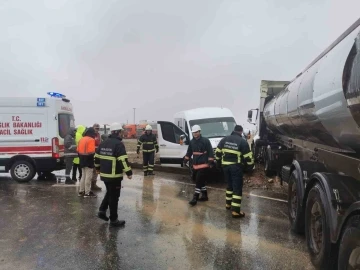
(22, 171)
(255, 151)
(268, 171)
(295, 195)
(317, 229)
(349, 254)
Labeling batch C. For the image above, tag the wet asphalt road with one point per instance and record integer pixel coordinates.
(46, 226)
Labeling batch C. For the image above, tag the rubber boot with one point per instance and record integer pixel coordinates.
(204, 196)
(194, 199)
(117, 223)
(145, 173)
(151, 173)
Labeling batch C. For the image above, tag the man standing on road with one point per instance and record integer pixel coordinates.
(203, 158)
(233, 154)
(70, 154)
(80, 129)
(149, 144)
(86, 150)
(94, 186)
(111, 161)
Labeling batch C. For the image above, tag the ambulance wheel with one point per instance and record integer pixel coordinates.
(22, 171)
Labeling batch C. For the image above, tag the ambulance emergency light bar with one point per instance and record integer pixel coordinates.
(58, 95)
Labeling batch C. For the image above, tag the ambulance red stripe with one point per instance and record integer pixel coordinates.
(25, 153)
(22, 149)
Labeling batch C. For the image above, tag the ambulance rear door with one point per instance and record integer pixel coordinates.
(65, 120)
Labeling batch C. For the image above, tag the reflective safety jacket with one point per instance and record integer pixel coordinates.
(202, 153)
(234, 149)
(148, 143)
(111, 159)
(86, 151)
(80, 130)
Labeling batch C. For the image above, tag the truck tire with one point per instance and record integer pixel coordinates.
(317, 229)
(253, 150)
(349, 253)
(295, 195)
(22, 171)
(267, 170)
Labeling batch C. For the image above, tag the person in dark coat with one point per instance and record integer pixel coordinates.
(70, 154)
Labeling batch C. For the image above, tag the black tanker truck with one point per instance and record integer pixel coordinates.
(308, 133)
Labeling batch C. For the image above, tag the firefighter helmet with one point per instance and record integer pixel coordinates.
(115, 127)
(195, 128)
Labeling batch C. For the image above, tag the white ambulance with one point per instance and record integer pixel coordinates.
(32, 132)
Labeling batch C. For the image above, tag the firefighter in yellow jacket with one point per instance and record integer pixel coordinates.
(111, 162)
(150, 146)
(233, 154)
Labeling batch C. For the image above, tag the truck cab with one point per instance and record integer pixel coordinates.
(174, 137)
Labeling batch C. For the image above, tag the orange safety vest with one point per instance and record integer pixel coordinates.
(86, 146)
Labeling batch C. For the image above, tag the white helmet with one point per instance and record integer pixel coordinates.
(115, 126)
(148, 127)
(195, 128)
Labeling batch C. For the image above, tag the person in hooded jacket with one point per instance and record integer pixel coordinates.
(80, 129)
(86, 151)
(70, 154)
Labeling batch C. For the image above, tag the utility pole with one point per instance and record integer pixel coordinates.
(134, 115)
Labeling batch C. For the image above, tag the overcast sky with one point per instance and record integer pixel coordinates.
(161, 56)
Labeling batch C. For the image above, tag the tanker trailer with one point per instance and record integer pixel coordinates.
(308, 132)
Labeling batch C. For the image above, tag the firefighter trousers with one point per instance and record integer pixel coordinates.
(200, 177)
(111, 199)
(148, 161)
(234, 177)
